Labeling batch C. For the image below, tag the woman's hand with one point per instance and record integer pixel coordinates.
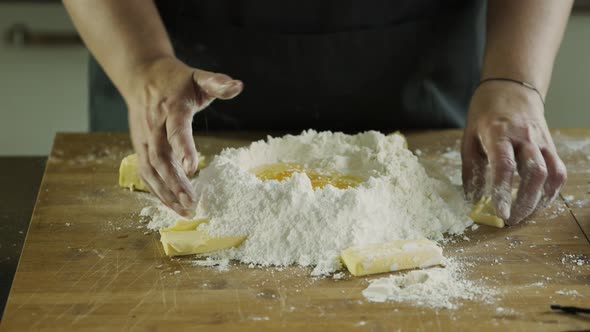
(506, 129)
(162, 99)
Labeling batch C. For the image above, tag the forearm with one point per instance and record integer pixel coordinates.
(122, 35)
(523, 37)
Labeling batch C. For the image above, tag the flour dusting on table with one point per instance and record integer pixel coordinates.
(289, 222)
(440, 287)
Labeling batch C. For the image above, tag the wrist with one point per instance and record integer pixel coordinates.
(509, 94)
(141, 73)
(513, 81)
(518, 72)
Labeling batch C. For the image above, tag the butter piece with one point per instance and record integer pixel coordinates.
(129, 173)
(391, 256)
(185, 239)
(184, 225)
(483, 213)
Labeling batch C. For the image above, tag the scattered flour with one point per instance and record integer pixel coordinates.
(445, 164)
(434, 288)
(221, 264)
(338, 276)
(576, 150)
(570, 292)
(573, 202)
(569, 144)
(289, 222)
(452, 155)
(575, 259)
(259, 318)
(505, 311)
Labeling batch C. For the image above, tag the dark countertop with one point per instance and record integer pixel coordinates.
(578, 4)
(20, 178)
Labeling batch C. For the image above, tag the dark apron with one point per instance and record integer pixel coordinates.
(329, 65)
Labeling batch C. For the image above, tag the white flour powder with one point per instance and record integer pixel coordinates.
(289, 222)
(435, 288)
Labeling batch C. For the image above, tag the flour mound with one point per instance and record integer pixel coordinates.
(290, 222)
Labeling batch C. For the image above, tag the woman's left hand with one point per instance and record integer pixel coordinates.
(506, 129)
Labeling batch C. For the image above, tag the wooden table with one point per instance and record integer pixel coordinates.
(87, 264)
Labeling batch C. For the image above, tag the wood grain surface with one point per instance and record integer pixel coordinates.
(89, 265)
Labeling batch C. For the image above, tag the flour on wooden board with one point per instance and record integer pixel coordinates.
(440, 287)
(290, 222)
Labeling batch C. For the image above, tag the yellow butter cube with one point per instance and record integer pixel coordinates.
(391, 256)
(483, 213)
(185, 239)
(129, 173)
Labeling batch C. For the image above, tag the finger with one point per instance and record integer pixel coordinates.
(533, 174)
(473, 168)
(155, 184)
(180, 136)
(137, 127)
(217, 85)
(502, 167)
(556, 176)
(161, 158)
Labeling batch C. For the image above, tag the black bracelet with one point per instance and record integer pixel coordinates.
(525, 84)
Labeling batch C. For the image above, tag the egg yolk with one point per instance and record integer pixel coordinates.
(282, 171)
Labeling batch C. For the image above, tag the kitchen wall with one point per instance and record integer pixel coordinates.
(568, 100)
(43, 89)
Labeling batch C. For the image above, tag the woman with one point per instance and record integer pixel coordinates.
(352, 65)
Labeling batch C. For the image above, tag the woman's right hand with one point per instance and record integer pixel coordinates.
(162, 98)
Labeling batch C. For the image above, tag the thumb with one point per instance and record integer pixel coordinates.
(217, 85)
